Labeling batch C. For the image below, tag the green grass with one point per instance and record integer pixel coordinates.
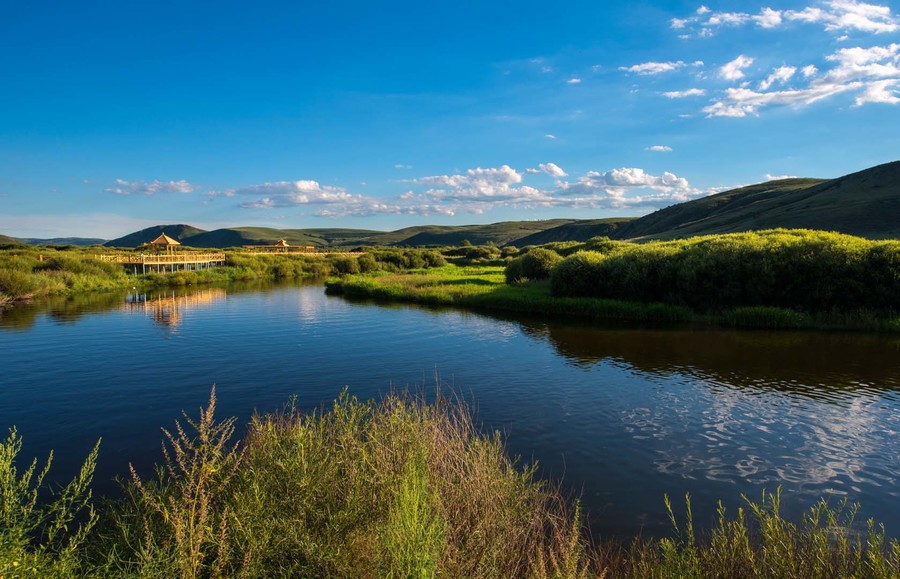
(394, 488)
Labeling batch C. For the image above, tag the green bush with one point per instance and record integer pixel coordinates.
(811, 271)
(346, 265)
(367, 263)
(534, 265)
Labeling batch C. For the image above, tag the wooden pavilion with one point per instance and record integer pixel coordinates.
(164, 241)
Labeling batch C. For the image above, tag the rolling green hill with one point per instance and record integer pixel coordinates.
(502, 233)
(577, 231)
(6, 239)
(179, 232)
(866, 204)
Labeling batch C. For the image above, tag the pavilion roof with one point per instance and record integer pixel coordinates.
(282, 243)
(164, 239)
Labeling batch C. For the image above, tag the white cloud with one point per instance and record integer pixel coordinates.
(841, 15)
(550, 136)
(809, 71)
(680, 94)
(880, 91)
(123, 187)
(770, 177)
(574, 80)
(478, 191)
(553, 170)
(402, 166)
(734, 70)
(659, 149)
(781, 75)
(769, 18)
(648, 68)
(833, 15)
(872, 73)
(291, 194)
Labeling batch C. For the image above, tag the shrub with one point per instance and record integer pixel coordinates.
(346, 265)
(534, 265)
(367, 263)
(812, 271)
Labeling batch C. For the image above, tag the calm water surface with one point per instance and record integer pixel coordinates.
(621, 415)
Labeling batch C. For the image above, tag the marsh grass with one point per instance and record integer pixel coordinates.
(759, 542)
(398, 488)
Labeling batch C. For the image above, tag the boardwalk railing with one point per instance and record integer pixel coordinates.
(171, 258)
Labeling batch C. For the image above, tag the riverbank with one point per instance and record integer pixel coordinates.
(394, 488)
(28, 272)
(485, 288)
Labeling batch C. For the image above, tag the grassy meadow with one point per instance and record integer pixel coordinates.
(394, 488)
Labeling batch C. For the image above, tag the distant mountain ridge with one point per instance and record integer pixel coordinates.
(64, 241)
(865, 203)
(179, 232)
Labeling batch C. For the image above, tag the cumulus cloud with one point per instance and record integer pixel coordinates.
(681, 94)
(872, 73)
(550, 136)
(649, 68)
(574, 80)
(832, 15)
(659, 149)
(553, 170)
(478, 191)
(290, 194)
(123, 187)
(781, 75)
(770, 177)
(734, 70)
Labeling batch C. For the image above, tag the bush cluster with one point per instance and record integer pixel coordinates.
(534, 265)
(474, 252)
(810, 271)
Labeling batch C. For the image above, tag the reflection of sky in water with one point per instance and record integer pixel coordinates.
(708, 430)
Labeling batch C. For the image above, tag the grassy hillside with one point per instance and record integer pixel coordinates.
(866, 204)
(7, 239)
(577, 231)
(498, 233)
(502, 233)
(179, 232)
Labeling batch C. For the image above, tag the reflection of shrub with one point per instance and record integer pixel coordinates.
(536, 264)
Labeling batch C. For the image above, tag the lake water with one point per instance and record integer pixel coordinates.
(621, 415)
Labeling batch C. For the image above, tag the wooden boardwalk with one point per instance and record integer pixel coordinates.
(166, 262)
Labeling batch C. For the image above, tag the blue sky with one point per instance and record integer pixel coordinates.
(115, 115)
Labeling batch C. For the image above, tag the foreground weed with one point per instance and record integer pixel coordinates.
(188, 495)
(42, 537)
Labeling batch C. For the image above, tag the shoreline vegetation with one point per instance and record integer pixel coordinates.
(773, 279)
(776, 279)
(401, 487)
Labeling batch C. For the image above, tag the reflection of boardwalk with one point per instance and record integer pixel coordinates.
(167, 262)
(167, 308)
